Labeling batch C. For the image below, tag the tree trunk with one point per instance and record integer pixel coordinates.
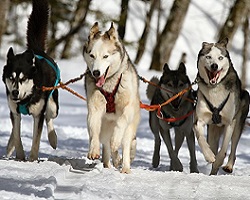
(4, 8)
(78, 20)
(169, 35)
(123, 19)
(245, 49)
(143, 40)
(237, 13)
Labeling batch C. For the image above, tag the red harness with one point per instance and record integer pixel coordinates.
(110, 97)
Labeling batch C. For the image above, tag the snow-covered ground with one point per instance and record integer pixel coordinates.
(66, 173)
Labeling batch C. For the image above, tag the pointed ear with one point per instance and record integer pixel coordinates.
(182, 68)
(94, 30)
(111, 33)
(223, 42)
(10, 53)
(30, 56)
(166, 68)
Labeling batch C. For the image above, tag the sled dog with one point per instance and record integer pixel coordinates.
(113, 102)
(181, 109)
(222, 105)
(23, 75)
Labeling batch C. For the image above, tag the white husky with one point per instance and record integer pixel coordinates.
(113, 101)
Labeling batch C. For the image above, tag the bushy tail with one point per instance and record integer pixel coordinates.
(37, 25)
(151, 88)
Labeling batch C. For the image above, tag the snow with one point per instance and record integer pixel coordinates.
(66, 173)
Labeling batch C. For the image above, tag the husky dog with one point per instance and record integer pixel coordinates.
(222, 105)
(113, 102)
(24, 75)
(180, 109)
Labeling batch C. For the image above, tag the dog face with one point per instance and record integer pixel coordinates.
(17, 75)
(174, 81)
(103, 53)
(213, 61)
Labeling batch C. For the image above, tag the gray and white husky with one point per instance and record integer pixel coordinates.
(180, 110)
(112, 89)
(222, 105)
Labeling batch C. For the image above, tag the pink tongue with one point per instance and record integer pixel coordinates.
(100, 81)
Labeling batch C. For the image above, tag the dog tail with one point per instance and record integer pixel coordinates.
(37, 25)
(151, 88)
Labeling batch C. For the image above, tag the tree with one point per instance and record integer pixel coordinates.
(237, 14)
(123, 19)
(77, 21)
(143, 40)
(169, 35)
(4, 8)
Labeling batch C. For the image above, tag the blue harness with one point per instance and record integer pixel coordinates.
(22, 108)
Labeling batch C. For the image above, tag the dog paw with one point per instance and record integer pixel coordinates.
(52, 139)
(93, 155)
(227, 169)
(209, 156)
(126, 170)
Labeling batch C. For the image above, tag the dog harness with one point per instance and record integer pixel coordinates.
(110, 97)
(22, 107)
(216, 117)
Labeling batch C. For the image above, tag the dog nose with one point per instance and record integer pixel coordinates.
(15, 93)
(214, 66)
(96, 73)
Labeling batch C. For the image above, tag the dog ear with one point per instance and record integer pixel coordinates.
(30, 56)
(10, 53)
(223, 42)
(93, 31)
(166, 68)
(111, 33)
(182, 68)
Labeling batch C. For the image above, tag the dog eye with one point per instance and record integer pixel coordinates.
(92, 56)
(181, 84)
(208, 57)
(106, 56)
(220, 58)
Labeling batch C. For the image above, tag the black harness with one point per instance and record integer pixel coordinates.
(216, 117)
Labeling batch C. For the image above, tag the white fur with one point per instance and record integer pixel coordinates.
(112, 130)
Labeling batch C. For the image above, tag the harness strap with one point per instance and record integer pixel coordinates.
(110, 97)
(22, 108)
(216, 117)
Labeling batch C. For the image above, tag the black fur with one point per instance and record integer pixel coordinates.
(31, 67)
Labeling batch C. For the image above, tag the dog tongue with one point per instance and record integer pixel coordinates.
(100, 81)
(213, 76)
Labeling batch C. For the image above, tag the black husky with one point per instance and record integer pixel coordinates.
(24, 75)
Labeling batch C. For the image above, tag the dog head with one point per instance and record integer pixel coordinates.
(18, 73)
(213, 61)
(103, 53)
(174, 81)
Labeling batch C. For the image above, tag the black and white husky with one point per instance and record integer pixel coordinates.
(222, 105)
(24, 75)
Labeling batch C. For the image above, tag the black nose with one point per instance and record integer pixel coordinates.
(96, 73)
(214, 66)
(15, 93)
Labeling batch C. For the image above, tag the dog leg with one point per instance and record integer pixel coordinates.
(191, 147)
(154, 125)
(222, 153)
(214, 133)
(51, 113)
(15, 137)
(37, 131)
(133, 150)
(199, 131)
(106, 152)
(175, 163)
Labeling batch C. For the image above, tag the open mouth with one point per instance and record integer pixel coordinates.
(213, 76)
(101, 80)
